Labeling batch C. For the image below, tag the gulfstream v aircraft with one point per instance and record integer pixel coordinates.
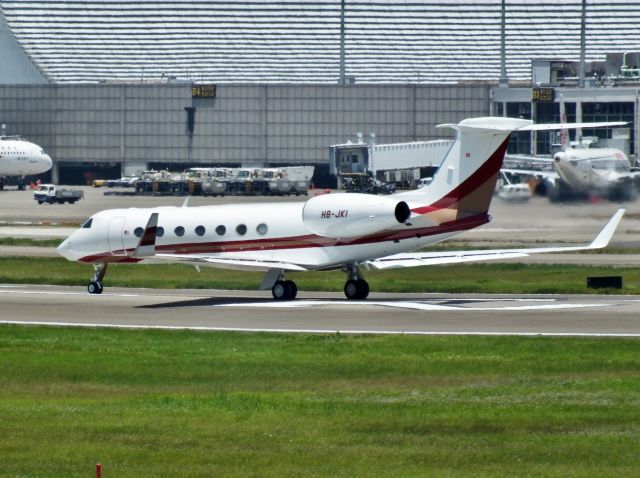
(345, 231)
(21, 158)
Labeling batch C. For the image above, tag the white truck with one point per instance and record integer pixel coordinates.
(50, 194)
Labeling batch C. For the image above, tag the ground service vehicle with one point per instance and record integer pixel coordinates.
(50, 193)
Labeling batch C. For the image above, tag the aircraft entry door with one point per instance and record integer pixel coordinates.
(116, 244)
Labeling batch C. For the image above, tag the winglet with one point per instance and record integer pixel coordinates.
(147, 244)
(606, 234)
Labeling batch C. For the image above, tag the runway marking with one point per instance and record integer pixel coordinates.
(318, 331)
(424, 304)
(413, 305)
(46, 292)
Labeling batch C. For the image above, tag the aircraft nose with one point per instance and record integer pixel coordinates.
(64, 249)
(48, 161)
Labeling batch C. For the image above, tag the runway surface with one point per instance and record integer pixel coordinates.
(575, 315)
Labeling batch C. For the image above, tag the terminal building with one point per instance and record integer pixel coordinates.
(110, 88)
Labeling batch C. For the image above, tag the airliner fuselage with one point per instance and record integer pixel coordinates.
(22, 158)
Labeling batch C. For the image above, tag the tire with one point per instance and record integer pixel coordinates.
(95, 287)
(351, 289)
(356, 289)
(293, 289)
(284, 290)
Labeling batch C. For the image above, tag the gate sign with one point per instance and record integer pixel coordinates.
(542, 95)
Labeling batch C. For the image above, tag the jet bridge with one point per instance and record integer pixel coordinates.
(383, 160)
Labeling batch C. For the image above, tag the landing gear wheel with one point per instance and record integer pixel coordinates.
(357, 289)
(293, 289)
(95, 287)
(284, 290)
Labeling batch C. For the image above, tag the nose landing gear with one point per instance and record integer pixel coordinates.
(95, 286)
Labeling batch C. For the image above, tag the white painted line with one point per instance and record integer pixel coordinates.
(320, 331)
(410, 305)
(46, 292)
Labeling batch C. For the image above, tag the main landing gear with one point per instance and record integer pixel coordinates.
(95, 286)
(284, 290)
(356, 287)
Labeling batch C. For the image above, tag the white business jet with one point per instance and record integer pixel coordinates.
(346, 231)
(21, 158)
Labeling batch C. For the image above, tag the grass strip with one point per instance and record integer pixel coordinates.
(159, 403)
(26, 241)
(482, 278)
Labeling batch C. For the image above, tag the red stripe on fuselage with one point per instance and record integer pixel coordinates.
(298, 242)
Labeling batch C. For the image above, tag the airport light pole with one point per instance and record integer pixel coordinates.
(504, 79)
(583, 43)
(342, 79)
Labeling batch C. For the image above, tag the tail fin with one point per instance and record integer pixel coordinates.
(564, 133)
(466, 179)
(467, 176)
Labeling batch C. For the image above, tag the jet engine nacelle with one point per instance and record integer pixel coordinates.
(351, 215)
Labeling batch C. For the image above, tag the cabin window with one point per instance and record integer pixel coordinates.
(160, 231)
(221, 230)
(87, 224)
(262, 229)
(200, 230)
(241, 229)
(179, 231)
(138, 231)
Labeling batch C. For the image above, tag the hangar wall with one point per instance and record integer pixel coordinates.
(142, 124)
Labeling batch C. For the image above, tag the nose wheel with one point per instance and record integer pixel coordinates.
(95, 286)
(284, 290)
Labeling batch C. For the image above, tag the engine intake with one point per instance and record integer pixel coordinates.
(352, 214)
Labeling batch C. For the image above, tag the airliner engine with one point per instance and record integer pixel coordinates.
(351, 215)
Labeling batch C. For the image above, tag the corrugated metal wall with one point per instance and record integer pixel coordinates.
(244, 124)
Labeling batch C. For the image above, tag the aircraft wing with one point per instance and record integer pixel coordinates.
(454, 257)
(236, 263)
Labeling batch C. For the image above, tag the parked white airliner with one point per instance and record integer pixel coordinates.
(328, 232)
(581, 170)
(19, 157)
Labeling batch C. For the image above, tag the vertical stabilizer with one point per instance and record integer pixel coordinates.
(564, 133)
(467, 176)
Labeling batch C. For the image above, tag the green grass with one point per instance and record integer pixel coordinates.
(157, 403)
(26, 241)
(486, 278)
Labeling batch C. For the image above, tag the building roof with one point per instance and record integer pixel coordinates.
(387, 41)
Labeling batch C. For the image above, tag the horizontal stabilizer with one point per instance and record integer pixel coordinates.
(554, 126)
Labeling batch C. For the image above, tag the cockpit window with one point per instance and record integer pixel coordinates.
(87, 224)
